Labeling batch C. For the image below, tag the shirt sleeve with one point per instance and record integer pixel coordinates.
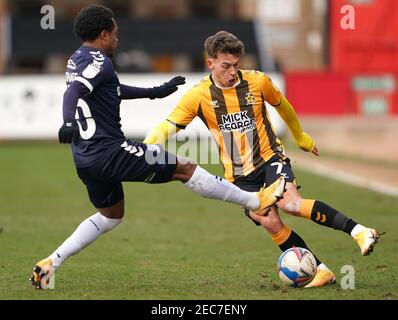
(185, 111)
(96, 72)
(270, 91)
(74, 92)
(130, 92)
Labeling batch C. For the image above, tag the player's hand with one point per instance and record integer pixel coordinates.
(68, 132)
(306, 143)
(167, 88)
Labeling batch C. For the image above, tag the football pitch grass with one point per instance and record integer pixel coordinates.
(173, 244)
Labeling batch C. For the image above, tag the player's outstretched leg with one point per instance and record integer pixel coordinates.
(214, 187)
(285, 238)
(87, 232)
(323, 276)
(325, 215)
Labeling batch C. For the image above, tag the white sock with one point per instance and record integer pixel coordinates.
(214, 187)
(87, 232)
(357, 229)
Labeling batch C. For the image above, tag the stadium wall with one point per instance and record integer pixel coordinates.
(31, 106)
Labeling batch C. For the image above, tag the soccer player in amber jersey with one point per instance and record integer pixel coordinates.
(231, 103)
(104, 158)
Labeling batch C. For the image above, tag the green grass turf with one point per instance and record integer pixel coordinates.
(173, 244)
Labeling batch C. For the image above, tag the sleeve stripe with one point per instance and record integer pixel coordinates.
(176, 124)
(85, 82)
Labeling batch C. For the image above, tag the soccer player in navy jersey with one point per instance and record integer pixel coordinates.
(104, 157)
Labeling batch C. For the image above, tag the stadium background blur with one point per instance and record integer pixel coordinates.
(341, 78)
(342, 83)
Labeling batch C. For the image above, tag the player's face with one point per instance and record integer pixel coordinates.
(111, 40)
(224, 69)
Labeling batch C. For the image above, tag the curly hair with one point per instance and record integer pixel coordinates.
(92, 20)
(223, 42)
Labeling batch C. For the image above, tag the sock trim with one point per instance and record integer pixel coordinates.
(306, 208)
(282, 235)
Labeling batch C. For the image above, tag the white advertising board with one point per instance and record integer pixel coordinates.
(31, 106)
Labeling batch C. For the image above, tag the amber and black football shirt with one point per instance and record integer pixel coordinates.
(236, 117)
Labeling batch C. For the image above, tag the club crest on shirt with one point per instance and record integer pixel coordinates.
(249, 99)
(215, 104)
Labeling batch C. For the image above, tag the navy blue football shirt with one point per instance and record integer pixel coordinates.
(93, 75)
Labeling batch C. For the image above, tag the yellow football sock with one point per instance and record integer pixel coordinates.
(282, 235)
(306, 208)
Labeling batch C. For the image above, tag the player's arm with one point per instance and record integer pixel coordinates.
(69, 131)
(288, 114)
(179, 118)
(167, 88)
(274, 97)
(161, 133)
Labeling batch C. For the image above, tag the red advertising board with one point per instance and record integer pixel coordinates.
(319, 93)
(363, 74)
(372, 46)
(333, 94)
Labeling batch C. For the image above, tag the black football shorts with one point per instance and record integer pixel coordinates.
(132, 161)
(268, 173)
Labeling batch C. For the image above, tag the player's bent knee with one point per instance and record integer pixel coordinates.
(184, 170)
(109, 223)
(291, 205)
(114, 212)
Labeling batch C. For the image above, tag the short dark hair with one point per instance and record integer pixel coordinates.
(92, 20)
(223, 42)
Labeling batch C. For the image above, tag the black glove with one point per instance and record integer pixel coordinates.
(68, 132)
(166, 88)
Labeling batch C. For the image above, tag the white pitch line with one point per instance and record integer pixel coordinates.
(349, 178)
